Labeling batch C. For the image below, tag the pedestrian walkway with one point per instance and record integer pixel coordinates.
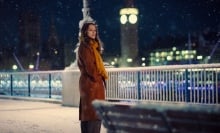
(26, 116)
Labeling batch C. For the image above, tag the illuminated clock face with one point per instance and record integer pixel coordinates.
(123, 19)
(129, 15)
(132, 18)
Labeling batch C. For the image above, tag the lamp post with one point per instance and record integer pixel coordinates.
(86, 18)
(37, 61)
(70, 94)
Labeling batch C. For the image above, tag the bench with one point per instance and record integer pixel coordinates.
(158, 117)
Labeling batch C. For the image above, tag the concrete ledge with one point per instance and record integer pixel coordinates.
(31, 99)
(70, 91)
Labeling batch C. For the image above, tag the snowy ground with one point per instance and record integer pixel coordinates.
(19, 116)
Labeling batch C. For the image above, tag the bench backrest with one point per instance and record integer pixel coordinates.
(158, 117)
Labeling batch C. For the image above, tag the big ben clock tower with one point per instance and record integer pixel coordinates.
(129, 34)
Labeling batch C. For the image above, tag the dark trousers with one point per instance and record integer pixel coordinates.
(90, 126)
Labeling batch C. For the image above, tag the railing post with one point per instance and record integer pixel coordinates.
(29, 85)
(49, 85)
(11, 78)
(139, 85)
(187, 85)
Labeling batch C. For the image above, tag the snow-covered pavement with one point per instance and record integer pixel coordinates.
(25, 116)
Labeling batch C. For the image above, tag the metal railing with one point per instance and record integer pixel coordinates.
(176, 83)
(42, 84)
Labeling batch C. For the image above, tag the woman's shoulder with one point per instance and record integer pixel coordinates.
(83, 47)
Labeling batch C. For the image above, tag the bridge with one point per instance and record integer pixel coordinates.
(198, 83)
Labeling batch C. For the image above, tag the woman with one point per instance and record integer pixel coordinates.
(92, 78)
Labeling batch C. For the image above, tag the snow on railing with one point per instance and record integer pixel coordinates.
(198, 83)
(42, 84)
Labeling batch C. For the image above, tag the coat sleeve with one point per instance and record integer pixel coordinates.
(87, 60)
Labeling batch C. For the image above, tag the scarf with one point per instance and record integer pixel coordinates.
(99, 61)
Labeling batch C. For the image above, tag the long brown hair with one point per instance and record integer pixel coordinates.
(84, 37)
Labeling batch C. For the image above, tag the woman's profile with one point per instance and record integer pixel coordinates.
(92, 78)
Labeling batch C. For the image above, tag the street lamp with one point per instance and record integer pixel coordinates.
(14, 67)
(37, 61)
(31, 66)
(86, 18)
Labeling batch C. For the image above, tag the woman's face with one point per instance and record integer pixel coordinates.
(91, 32)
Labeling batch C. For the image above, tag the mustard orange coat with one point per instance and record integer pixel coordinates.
(90, 83)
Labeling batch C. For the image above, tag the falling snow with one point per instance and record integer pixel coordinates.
(156, 18)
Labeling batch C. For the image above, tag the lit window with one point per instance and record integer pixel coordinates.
(163, 54)
(169, 58)
(157, 54)
(186, 56)
(199, 57)
(129, 60)
(177, 52)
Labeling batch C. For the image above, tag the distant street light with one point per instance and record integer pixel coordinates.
(31, 66)
(14, 67)
(37, 61)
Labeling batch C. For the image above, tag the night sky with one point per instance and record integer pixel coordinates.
(156, 18)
